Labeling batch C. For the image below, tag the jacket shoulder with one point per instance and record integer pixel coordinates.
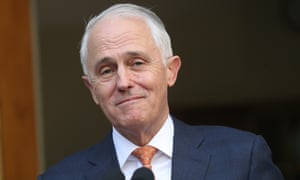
(76, 165)
(70, 167)
(215, 132)
(218, 138)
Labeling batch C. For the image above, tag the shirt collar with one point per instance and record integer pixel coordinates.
(163, 141)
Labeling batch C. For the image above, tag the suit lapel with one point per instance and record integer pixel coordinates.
(190, 159)
(102, 159)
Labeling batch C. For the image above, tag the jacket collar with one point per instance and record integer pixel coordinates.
(102, 159)
(190, 159)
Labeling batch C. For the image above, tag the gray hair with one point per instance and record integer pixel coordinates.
(156, 26)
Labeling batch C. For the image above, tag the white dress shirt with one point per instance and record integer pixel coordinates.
(161, 162)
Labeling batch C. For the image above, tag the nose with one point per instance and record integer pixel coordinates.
(124, 81)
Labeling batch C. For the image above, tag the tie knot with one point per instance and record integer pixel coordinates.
(145, 155)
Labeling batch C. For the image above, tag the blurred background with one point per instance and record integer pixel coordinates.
(240, 68)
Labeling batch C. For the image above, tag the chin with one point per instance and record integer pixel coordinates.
(131, 119)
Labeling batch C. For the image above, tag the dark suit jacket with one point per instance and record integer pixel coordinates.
(200, 152)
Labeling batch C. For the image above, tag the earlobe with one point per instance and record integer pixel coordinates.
(86, 81)
(173, 66)
(88, 84)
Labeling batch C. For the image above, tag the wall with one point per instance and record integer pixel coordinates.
(233, 52)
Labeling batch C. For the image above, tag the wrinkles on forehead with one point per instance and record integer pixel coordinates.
(115, 24)
(113, 32)
(107, 41)
(117, 36)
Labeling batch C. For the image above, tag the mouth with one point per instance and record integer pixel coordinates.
(128, 100)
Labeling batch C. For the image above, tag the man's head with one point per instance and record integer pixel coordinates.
(157, 28)
(127, 73)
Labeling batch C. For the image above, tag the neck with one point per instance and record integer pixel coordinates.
(142, 135)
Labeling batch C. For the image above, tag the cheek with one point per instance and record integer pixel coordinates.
(154, 84)
(103, 92)
(155, 76)
(145, 81)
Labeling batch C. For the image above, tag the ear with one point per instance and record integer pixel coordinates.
(91, 88)
(173, 66)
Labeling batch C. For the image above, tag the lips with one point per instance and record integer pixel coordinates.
(130, 99)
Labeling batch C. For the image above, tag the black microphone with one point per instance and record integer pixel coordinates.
(114, 174)
(143, 174)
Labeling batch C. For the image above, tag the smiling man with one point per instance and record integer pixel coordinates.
(127, 76)
(128, 67)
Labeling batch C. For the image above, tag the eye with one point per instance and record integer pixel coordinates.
(106, 71)
(138, 63)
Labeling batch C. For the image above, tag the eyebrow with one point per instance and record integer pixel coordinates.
(134, 53)
(128, 54)
(101, 61)
(137, 53)
(104, 60)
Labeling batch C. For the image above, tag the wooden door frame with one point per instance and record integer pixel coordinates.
(17, 113)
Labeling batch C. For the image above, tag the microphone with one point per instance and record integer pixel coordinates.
(114, 174)
(143, 174)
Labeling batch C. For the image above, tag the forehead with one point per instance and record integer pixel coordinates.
(119, 34)
(113, 29)
(115, 32)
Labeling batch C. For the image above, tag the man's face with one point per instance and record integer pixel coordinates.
(128, 78)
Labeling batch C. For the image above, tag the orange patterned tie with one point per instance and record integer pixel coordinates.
(145, 154)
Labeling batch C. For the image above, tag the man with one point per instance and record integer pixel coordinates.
(128, 66)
